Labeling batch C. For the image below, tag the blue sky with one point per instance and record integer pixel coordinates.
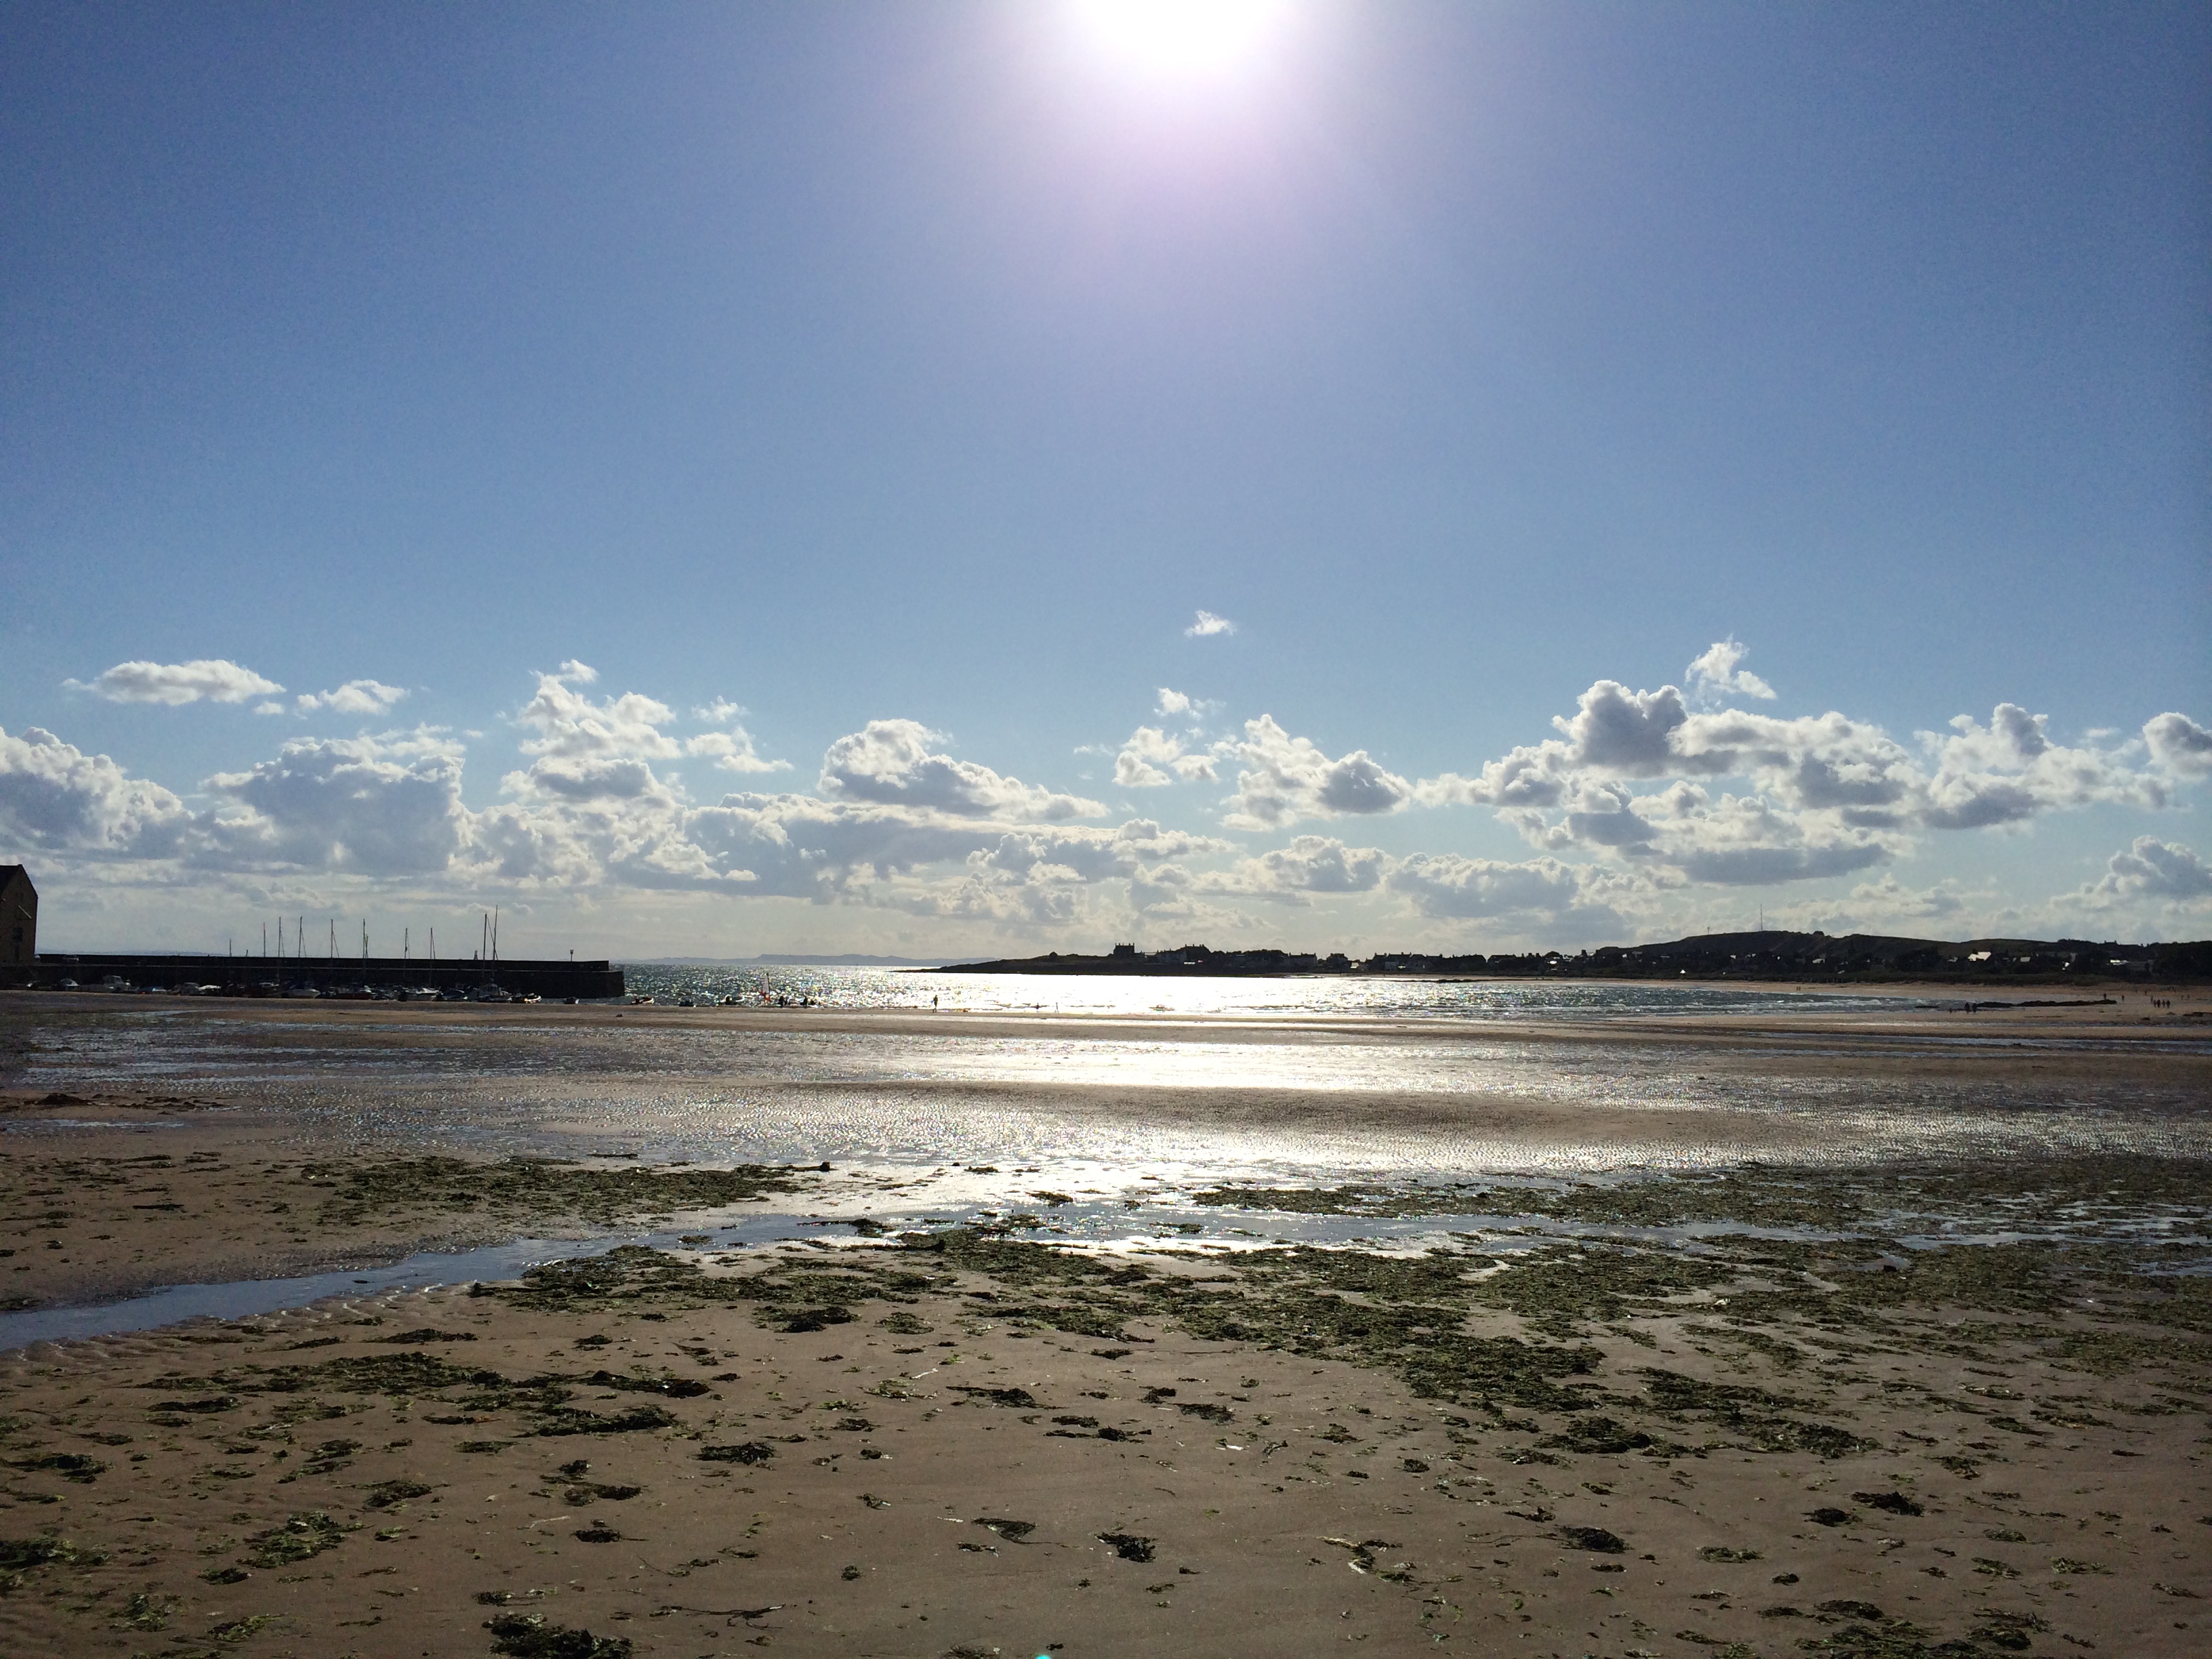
(865, 365)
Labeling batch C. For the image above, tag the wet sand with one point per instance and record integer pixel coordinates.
(1790, 1432)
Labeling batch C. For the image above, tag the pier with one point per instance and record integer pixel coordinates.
(273, 975)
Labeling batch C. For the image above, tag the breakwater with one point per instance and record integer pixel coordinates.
(272, 976)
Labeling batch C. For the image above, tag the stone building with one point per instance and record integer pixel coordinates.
(19, 919)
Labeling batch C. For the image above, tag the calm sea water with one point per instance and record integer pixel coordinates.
(1318, 996)
(1294, 1080)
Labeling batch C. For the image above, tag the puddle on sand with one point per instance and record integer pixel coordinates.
(242, 1298)
(1095, 1225)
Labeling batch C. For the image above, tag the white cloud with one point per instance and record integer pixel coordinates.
(2179, 745)
(2010, 770)
(1635, 803)
(380, 806)
(1151, 758)
(2152, 869)
(569, 724)
(55, 797)
(354, 697)
(734, 751)
(1448, 887)
(1082, 855)
(590, 777)
(1309, 865)
(730, 749)
(206, 679)
(1889, 904)
(1207, 624)
(1715, 676)
(1829, 794)
(889, 763)
(1284, 778)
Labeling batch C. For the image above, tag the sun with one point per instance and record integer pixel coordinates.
(1179, 38)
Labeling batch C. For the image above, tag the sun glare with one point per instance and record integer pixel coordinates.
(1179, 38)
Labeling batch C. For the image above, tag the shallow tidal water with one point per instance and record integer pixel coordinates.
(1280, 1082)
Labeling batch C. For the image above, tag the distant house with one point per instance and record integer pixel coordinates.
(19, 919)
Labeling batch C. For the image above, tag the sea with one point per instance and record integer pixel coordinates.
(1318, 996)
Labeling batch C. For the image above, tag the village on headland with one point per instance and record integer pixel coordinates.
(1761, 954)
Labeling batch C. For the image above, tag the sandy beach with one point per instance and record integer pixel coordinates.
(1835, 1405)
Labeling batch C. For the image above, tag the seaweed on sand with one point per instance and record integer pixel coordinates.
(2055, 1191)
(365, 1192)
(300, 1539)
(70, 1465)
(527, 1636)
(1558, 1288)
(1763, 1418)
(418, 1376)
(19, 1556)
(634, 1275)
(568, 1420)
(1405, 1314)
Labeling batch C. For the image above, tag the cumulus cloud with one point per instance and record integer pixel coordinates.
(206, 679)
(1448, 887)
(1889, 902)
(734, 751)
(1829, 794)
(1309, 865)
(354, 697)
(2152, 869)
(55, 797)
(2179, 745)
(1283, 779)
(889, 763)
(568, 723)
(1093, 854)
(730, 749)
(1715, 677)
(1151, 758)
(1634, 798)
(1207, 624)
(377, 806)
(2010, 770)
(1045, 877)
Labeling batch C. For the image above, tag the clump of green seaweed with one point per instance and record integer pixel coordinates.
(527, 1636)
(2058, 1192)
(508, 1187)
(19, 1557)
(300, 1539)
